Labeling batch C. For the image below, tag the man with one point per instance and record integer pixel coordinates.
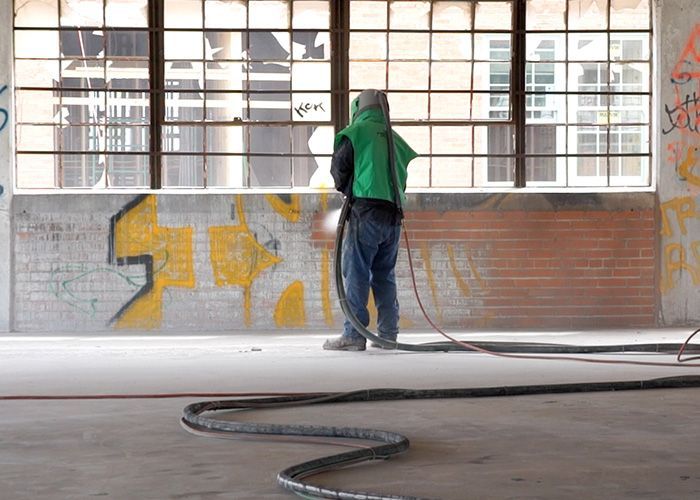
(361, 171)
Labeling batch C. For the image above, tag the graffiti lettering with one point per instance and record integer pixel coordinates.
(684, 208)
(5, 115)
(306, 107)
(688, 65)
(684, 116)
(676, 261)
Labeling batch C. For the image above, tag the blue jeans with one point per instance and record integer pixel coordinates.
(370, 249)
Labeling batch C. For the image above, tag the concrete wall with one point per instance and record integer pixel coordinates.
(5, 167)
(223, 262)
(678, 77)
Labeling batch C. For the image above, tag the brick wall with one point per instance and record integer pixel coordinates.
(233, 262)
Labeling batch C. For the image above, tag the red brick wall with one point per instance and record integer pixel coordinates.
(542, 268)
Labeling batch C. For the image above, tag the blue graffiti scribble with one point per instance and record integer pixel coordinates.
(3, 111)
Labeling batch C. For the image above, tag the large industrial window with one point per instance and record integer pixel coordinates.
(248, 93)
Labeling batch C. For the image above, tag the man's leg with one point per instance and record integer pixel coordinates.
(358, 253)
(383, 284)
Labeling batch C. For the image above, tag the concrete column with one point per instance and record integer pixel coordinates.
(6, 162)
(677, 151)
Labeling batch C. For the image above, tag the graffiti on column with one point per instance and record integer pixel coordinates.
(4, 118)
(680, 254)
(166, 253)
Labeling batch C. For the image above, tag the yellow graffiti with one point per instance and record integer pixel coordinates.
(461, 282)
(237, 258)
(137, 233)
(326, 287)
(289, 311)
(425, 254)
(685, 168)
(289, 210)
(675, 260)
(683, 207)
(476, 274)
(404, 323)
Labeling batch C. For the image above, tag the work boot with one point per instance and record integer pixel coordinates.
(344, 344)
(375, 344)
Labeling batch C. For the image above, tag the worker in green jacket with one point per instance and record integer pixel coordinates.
(361, 170)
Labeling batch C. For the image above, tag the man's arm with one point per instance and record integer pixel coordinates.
(343, 166)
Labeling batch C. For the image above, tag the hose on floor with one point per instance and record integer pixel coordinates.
(390, 443)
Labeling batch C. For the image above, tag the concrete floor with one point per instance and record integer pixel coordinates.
(632, 444)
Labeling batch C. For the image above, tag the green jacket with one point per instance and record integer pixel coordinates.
(372, 177)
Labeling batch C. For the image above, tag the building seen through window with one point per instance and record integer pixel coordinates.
(242, 93)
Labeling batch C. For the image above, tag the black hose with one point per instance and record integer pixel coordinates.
(392, 443)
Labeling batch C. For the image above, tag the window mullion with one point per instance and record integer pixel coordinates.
(340, 63)
(518, 90)
(157, 89)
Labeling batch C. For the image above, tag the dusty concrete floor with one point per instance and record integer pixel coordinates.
(632, 444)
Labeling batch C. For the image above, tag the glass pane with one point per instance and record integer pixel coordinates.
(269, 46)
(184, 106)
(452, 140)
(127, 75)
(311, 45)
(629, 109)
(418, 137)
(368, 15)
(630, 15)
(128, 170)
(82, 138)
(184, 75)
(311, 107)
(83, 107)
(588, 47)
(546, 15)
(452, 16)
(409, 45)
(37, 106)
(183, 13)
(275, 139)
(225, 76)
(311, 76)
(493, 16)
(36, 137)
(127, 13)
(268, 14)
(629, 171)
(224, 107)
(83, 74)
(588, 14)
(412, 15)
(312, 139)
(450, 75)
(457, 46)
(225, 139)
(36, 171)
(449, 106)
(268, 107)
(183, 171)
(268, 171)
(82, 44)
(128, 139)
(226, 171)
(36, 44)
(128, 108)
(36, 73)
(36, 13)
(127, 44)
(367, 75)
(451, 172)
(183, 139)
(83, 13)
(224, 45)
(587, 108)
(408, 106)
(549, 47)
(82, 170)
(418, 173)
(545, 139)
(632, 77)
(368, 46)
(229, 14)
(183, 45)
(629, 46)
(408, 75)
(493, 106)
(310, 14)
